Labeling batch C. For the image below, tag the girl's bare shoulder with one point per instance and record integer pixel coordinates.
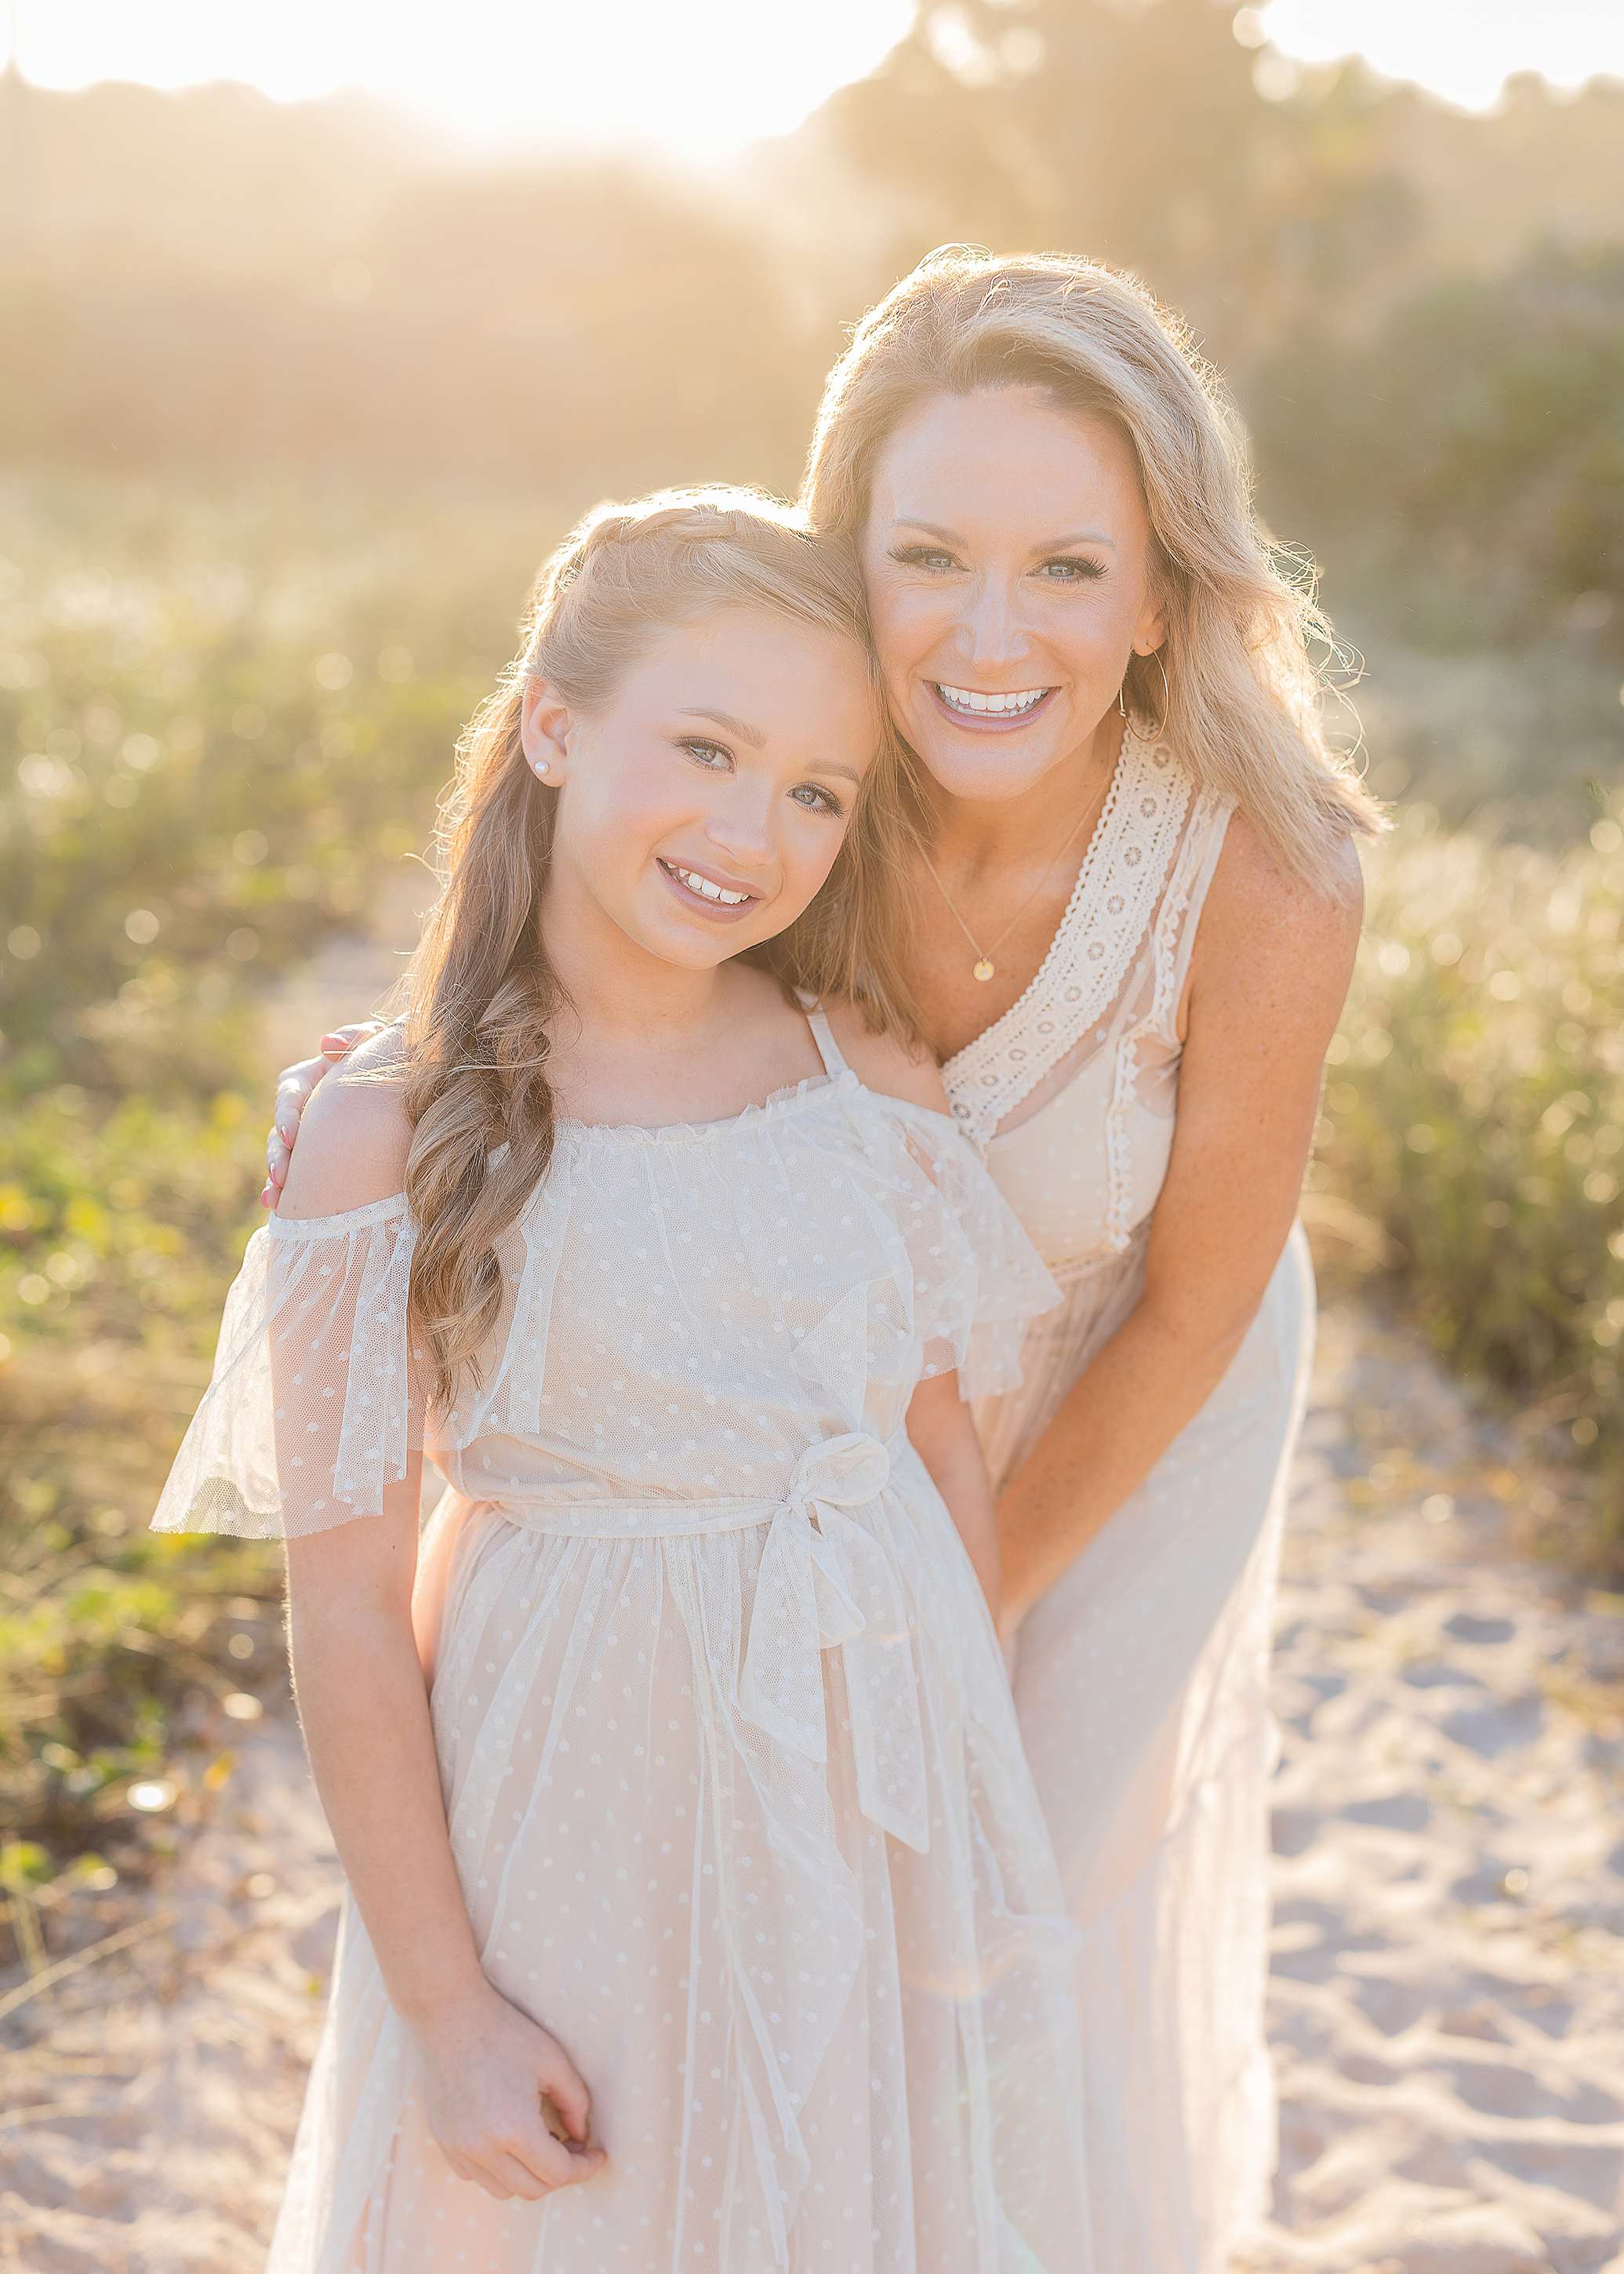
(355, 1136)
(883, 1063)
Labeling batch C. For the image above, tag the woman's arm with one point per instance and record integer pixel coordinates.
(1268, 977)
(943, 1435)
(364, 1706)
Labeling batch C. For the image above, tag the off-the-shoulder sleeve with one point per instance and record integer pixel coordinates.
(314, 1406)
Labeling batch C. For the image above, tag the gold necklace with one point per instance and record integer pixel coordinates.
(984, 967)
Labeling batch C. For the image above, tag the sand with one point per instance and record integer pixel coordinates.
(1448, 2000)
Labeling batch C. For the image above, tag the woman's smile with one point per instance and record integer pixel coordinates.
(981, 710)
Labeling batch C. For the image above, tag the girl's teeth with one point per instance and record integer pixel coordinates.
(708, 890)
(966, 698)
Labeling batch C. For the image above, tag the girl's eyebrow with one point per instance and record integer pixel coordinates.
(729, 725)
(1049, 545)
(758, 740)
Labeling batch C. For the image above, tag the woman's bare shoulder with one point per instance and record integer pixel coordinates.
(355, 1136)
(885, 1064)
(1256, 903)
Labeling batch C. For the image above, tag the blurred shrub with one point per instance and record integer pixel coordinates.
(126, 1661)
(1472, 1145)
(218, 721)
(1469, 462)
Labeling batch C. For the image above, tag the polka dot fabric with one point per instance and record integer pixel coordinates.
(733, 1776)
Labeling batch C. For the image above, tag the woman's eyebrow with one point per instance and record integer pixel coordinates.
(1049, 545)
(729, 725)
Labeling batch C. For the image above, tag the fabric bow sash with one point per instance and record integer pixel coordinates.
(826, 1580)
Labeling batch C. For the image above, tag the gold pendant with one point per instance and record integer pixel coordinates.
(983, 969)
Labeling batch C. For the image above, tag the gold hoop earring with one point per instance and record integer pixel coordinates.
(1167, 694)
(1122, 707)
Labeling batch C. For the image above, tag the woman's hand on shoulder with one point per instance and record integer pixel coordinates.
(884, 1064)
(295, 1085)
(355, 1136)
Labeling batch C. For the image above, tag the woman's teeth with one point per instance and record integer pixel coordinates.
(703, 886)
(966, 698)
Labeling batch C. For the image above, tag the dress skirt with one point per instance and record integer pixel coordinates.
(741, 1817)
(1141, 1683)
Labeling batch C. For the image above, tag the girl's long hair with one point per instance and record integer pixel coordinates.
(481, 990)
(1242, 704)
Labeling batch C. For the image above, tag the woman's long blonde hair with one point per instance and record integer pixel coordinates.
(481, 989)
(1242, 704)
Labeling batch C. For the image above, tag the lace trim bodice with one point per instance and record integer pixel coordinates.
(1080, 977)
(1102, 1012)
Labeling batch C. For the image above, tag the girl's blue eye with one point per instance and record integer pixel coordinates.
(708, 754)
(815, 799)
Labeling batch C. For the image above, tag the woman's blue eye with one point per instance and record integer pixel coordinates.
(922, 556)
(1071, 572)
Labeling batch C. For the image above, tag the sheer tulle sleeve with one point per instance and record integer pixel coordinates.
(964, 1281)
(314, 1406)
(978, 1281)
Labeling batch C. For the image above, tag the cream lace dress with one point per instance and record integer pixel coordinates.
(732, 1771)
(1141, 1675)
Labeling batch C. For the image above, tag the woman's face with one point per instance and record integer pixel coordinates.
(1007, 555)
(702, 807)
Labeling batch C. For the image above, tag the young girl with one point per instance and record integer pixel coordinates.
(704, 1916)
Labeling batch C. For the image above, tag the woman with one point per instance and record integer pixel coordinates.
(1136, 908)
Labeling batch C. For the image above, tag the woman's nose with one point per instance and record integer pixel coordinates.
(989, 632)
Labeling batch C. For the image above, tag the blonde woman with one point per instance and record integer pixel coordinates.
(1135, 904)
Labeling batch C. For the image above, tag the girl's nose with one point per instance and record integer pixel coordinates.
(741, 826)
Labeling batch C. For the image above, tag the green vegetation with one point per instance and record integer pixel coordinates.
(227, 711)
(1472, 1149)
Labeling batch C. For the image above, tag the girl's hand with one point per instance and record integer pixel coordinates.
(485, 2069)
(294, 1088)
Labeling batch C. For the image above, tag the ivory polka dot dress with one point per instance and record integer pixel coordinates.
(1141, 1676)
(733, 1775)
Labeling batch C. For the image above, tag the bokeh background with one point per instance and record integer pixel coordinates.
(297, 388)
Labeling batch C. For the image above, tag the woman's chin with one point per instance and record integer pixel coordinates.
(991, 775)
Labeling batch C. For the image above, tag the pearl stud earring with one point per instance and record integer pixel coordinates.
(541, 765)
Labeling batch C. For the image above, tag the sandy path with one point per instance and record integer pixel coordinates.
(1450, 2035)
(1448, 2000)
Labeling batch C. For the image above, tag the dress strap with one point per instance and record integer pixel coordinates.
(827, 1049)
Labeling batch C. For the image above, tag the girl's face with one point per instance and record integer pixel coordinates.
(1007, 556)
(703, 808)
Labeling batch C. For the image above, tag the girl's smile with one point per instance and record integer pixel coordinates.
(719, 900)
